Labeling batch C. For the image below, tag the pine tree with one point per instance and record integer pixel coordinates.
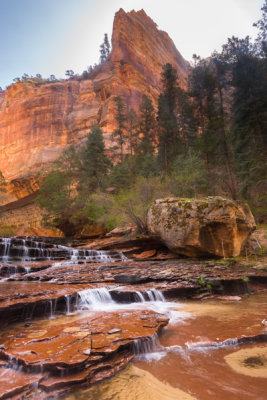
(119, 134)
(147, 127)
(187, 122)
(169, 140)
(106, 44)
(104, 49)
(132, 128)
(94, 163)
(207, 83)
(103, 56)
(261, 41)
(249, 116)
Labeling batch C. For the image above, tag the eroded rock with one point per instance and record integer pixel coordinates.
(71, 349)
(213, 226)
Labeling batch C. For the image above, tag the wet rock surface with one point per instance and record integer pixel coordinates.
(97, 310)
(72, 349)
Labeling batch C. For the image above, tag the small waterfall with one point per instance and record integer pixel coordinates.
(25, 256)
(75, 255)
(140, 297)
(6, 243)
(68, 305)
(91, 299)
(155, 295)
(150, 295)
(30, 249)
(148, 347)
(52, 308)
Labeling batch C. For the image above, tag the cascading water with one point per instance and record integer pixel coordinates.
(6, 243)
(92, 299)
(27, 249)
(148, 348)
(150, 295)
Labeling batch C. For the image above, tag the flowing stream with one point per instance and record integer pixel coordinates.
(196, 355)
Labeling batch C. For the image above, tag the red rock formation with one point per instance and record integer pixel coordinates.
(38, 121)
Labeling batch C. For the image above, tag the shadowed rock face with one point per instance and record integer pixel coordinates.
(213, 226)
(38, 121)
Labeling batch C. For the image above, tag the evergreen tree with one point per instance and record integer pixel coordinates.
(106, 44)
(94, 163)
(208, 84)
(58, 192)
(249, 115)
(147, 127)
(187, 122)
(104, 49)
(132, 128)
(221, 72)
(169, 140)
(103, 56)
(261, 41)
(118, 134)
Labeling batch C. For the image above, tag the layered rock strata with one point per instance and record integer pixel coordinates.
(39, 120)
(88, 331)
(72, 350)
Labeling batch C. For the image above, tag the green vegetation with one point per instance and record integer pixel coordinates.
(3, 183)
(207, 140)
(104, 49)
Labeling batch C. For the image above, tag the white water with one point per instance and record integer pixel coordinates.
(148, 348)
(29, 250)
(95, 299)
(7, 244)
(100, 300)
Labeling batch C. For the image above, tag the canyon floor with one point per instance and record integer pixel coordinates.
(157, 326)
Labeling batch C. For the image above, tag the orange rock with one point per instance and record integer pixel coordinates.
(38, 121)
(145, 254)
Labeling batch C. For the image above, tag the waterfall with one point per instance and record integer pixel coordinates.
(6, 244)
(150, 295)
(148, 348)
(155, 295)
(140, 297)
(29, 249)
(91, 299)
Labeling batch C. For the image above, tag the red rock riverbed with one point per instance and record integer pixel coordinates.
(68, 323)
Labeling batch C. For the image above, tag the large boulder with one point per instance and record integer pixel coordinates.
(213, 226)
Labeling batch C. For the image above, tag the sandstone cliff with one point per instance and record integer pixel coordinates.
(37, 121)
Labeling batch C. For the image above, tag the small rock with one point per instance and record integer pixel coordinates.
(230, 298)
(114, 330)
(130, 278)
(145, 254)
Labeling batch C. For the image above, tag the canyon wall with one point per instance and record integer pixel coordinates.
(38, 120)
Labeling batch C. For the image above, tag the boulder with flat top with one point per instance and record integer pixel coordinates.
(211, 226)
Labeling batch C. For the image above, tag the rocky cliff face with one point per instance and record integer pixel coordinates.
(38, 121)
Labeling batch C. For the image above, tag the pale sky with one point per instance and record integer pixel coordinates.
(51, 36)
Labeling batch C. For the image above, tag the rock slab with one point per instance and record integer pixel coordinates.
(213, 226)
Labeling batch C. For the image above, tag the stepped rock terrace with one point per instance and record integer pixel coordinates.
(71, 317)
